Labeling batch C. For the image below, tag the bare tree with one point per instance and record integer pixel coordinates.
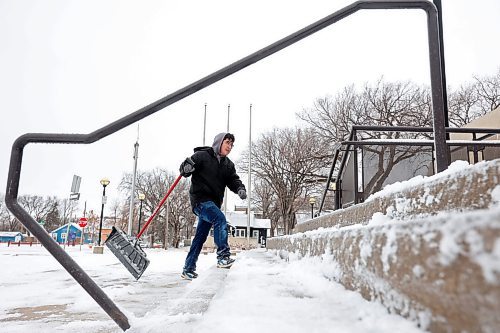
(462, 105)
(154, 185)
(286, 160)
(180, 215)
(474, 99)
(66, 207)
(265, 199)
(332, 117)
(37, 206)
(53, 219)
(120, 209)
(8, 222)
(381, 104)
(488, 91)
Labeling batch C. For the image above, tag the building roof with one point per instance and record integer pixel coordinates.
(66, 226)
(9, 233)
(489, 120)
(238, 219)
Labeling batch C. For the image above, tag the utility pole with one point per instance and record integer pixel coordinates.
(166, 222)
(74, 195)
(204, 124)
(249, 196)
(132, 193)
(225, 189)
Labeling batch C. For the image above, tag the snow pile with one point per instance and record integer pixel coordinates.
(455, 168)
(261, 293)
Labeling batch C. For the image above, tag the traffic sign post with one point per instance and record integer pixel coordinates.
(82, 224)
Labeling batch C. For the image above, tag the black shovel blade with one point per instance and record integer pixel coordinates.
(132, 256)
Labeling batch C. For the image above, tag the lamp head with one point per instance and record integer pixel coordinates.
(312, 200)
(105, 182)
(142, 196)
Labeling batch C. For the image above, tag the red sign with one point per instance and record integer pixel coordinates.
(83, 222)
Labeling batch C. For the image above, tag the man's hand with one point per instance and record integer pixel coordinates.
(242, 193)
(187, 167)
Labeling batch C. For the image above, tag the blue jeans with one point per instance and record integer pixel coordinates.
(208, 214)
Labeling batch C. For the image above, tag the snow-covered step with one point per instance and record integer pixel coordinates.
(430, 250)
(443, 271)
(461, 187)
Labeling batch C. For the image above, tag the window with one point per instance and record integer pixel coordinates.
(255, 234)
(63, 235)
(240, 233)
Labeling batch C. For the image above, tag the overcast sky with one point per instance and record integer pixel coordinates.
(72, 66)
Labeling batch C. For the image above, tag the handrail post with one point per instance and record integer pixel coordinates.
(328, 181)
(57, 252)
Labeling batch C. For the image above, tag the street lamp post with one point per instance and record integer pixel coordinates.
(141, 199)
(104, 183)
(312, 201)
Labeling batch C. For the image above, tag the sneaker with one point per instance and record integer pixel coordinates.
(225, 262)
(189, 275)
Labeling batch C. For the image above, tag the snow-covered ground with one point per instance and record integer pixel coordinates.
(260, 293)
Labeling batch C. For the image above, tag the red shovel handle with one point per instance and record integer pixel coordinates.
(159, 206)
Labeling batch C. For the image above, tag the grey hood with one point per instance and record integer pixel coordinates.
(218, 142)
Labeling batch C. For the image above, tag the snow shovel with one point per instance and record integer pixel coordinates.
(127, 249)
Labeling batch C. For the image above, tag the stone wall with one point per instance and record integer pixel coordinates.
(406, 250)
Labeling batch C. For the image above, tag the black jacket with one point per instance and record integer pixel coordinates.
(211, 176)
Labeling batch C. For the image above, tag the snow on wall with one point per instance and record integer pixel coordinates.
(438, 267)
(427, 270)
(462, 187)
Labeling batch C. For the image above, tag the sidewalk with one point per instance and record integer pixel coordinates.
(260, 293)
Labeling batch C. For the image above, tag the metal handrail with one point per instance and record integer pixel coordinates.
(351, 141)
(18, 146)
(329, 179)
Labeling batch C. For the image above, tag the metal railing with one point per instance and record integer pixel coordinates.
(348, 149)
(438, 98)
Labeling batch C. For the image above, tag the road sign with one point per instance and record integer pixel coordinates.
(83, 222)
(74, 196)
(75, 185)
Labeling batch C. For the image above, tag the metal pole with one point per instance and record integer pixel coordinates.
(67, 232)
(64, 221)
(102, 213)
(249, 196)
(437, 88)
(140, 216)
(132, 195)
(83, 228)
(204, 124)
(312, 210)
(439, 8)
(167, 207)
(69, 222)
(225, 189)
(81, 237)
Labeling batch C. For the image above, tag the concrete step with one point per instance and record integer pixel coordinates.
(452, 190)
(434, 257)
